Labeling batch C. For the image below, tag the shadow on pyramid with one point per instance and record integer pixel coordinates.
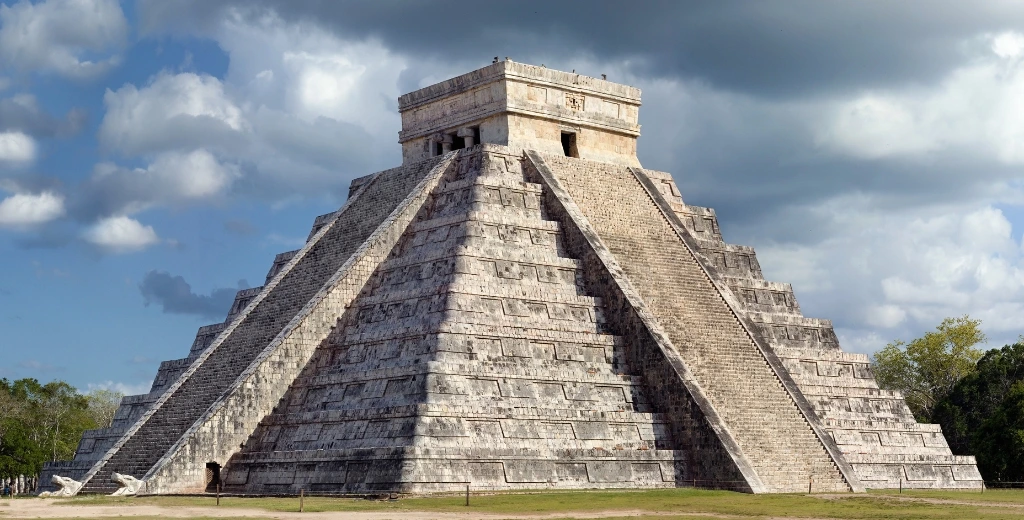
(519, 306)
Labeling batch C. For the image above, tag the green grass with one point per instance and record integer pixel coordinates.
(876, 505)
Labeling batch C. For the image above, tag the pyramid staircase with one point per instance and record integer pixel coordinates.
(473, 355)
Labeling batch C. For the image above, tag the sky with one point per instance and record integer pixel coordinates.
(155, 155)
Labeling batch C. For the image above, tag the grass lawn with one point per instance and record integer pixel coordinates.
(993, 504)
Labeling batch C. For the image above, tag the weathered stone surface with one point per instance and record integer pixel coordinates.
(129, 485)
(66, 487)
(532, 310)
(523, 107)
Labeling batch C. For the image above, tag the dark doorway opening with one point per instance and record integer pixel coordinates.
(212, 477)
(438, 150)
(569, 144)
(458, 143)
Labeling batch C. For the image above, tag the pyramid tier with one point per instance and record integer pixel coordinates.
(445, 469)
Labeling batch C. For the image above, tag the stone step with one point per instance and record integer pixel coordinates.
(837, 392)
(896, 424)
(464, 292)
(511, 353)
(497, 410)
(828, 354)
(513, 183)
(473, 248)
(483, 202)
(841, 380)
(473, 222)
(495, 313)
(905, 458)
(498, 373)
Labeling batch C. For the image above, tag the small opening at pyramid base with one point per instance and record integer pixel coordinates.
(212, 476)
(569, 144)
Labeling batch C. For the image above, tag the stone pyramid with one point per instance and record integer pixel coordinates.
(519, 305)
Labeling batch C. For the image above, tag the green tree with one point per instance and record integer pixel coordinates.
(40, 423)
(63, 414)
(20, 451)
(102, 406)
(999, 442)
(927, 368)
(11, 408)
(984, 414)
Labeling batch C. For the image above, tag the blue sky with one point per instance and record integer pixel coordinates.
(156, 155)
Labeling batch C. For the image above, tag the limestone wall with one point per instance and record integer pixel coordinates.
(246, 338)
(528, 107)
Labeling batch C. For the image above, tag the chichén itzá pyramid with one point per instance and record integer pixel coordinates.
(519, 305)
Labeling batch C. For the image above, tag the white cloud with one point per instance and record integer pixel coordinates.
(173, 178)
(1008, 45)
(977, 109)
(303, 109)
(172, 111)
(22, 209)
(16, 147)
(57, 35)
(876, 126)
(338, 83)
(192, 175)
(118, 386)
(904, 271)
(306, 71)
(120, 234)
(885, 316)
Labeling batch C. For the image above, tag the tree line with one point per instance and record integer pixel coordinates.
(45, 422)
(976, 396)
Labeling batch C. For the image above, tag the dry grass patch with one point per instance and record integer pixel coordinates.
(1006, 496)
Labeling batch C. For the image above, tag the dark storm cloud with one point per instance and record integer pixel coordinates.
(175, 296)
(116, 192)
(750, 175)
(776, 47)
(760, 168)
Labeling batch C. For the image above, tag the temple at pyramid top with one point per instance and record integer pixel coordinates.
(523, 107)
